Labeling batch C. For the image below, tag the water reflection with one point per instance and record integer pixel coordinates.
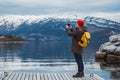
(10, 46)
(49, 56)
(8, 51)
(51, 53)
(35, 56)
(114, 69)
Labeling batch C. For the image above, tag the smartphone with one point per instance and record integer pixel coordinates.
(68, 24)
(70, 27)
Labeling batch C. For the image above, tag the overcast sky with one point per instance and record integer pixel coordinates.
(38, 7)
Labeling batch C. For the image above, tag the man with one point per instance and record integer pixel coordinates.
(76, 49)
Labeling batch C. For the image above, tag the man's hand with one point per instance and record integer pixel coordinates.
(70, 27)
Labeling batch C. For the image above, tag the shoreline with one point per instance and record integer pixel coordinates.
(12, 41)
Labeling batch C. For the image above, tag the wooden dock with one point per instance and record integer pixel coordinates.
(47, 76)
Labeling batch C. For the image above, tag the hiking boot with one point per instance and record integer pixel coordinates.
(78, 75)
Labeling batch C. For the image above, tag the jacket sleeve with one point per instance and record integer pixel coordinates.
(71, 32)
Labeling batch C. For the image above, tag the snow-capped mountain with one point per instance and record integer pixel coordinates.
(101, 22)
(52, 28)
(38, 27)
(15, 21)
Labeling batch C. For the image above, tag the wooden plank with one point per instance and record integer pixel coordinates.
(45, 76)
(30, 76)
(3, 77)
(59, 76)
(34, 76)
(48, 76)
(8, 76)
(15, 76)
(86, 77)
(40, 76)
(90, 77)
(27, 76)
(19, 76)
(23, 76)
(11, 77)
(55, 76)
(52, 76)
(98, 77)
(70, 76)
(37, 76)
(64, 77)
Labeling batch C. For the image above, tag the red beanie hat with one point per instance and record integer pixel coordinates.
(80, 22)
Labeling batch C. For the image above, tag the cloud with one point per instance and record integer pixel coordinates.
(57, 6)
(35, 2)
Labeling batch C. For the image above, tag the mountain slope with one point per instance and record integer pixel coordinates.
(53, 28)
(101, 22)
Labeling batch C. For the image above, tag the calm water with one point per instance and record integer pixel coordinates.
(49, 56)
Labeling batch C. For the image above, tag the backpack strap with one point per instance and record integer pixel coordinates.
(83, 31)
(79, 39)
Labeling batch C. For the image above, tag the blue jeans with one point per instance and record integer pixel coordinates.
(79, 61)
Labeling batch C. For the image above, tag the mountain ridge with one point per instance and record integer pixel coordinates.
(53, 28)
(101, 22)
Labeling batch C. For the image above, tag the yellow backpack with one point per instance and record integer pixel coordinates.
(84, 39)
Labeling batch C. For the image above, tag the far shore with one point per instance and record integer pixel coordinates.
(12, 41)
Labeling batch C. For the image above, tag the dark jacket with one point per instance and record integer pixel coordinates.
(76, 35)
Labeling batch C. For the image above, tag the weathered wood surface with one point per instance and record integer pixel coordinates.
(47, 76)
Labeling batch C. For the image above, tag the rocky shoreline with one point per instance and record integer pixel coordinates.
(11, 39)
(110, 51)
